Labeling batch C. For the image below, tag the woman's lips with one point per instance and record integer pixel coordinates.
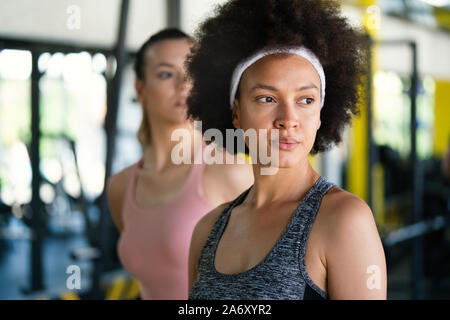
(288, 145)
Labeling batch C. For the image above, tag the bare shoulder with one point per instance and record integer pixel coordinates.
(352, 248)
(344, 214)
(345, 209)
(118, 181)
(115, 190)
(343, 198)
(237, 172)
(224, 182)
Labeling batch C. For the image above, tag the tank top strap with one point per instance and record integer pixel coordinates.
(217, 230)
(305, 220)
(307, 210)
(194, 180)
(199, 164)
(223, 219)
(127, 206)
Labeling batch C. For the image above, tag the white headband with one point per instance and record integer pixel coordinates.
(300, 51)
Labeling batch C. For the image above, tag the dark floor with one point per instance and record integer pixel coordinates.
(15, 266)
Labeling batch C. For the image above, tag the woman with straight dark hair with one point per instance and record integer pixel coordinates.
(156, 202)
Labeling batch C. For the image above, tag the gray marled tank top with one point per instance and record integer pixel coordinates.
(280, 276)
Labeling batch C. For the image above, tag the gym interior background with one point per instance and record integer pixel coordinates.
(69, 115)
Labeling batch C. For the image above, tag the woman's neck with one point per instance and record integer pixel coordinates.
(158, 154)
(288, 184)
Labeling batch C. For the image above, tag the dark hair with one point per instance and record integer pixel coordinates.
(166, 34)
(143, 133)
(242, 27)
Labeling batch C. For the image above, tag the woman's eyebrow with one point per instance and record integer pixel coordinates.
(271, 88)
(311, 86)
(165, 64)
(263, 86)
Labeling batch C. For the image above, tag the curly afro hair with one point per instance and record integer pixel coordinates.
(239, 28)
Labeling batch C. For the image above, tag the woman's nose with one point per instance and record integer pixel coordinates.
(286, 117)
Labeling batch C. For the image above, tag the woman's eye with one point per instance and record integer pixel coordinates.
(165, 75)
(307, 101)
(266, 99)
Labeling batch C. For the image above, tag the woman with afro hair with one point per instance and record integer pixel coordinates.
(292, 67)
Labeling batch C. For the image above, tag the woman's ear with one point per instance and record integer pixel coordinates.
(235, 115)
